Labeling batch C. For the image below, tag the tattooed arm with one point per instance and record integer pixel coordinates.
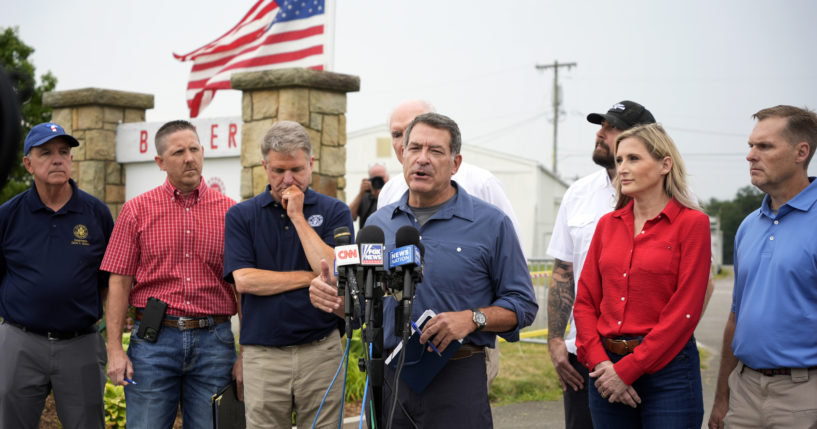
(561, 294)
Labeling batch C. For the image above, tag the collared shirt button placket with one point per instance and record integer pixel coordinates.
(626, 286)
(187, 246)
(771, 236)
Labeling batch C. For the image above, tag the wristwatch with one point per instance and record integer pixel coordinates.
(479, 318)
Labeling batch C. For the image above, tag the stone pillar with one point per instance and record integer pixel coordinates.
(91, 115)
(316, 100)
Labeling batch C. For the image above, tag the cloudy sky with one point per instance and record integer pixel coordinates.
(701, 67)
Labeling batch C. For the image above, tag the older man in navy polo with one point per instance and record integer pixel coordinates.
(52, 239)
(273, 246)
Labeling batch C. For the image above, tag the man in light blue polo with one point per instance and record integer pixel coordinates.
(52, 239)
(768, 373)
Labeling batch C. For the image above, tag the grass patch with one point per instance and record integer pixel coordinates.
(725, 272)
(704, 356)
(525, 374)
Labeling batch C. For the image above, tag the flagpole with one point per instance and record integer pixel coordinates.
(329, 10)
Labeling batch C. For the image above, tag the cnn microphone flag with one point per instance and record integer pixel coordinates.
(273, 34)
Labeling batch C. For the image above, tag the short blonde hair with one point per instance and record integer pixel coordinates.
(660, 145)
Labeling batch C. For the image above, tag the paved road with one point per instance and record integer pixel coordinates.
(550, 414)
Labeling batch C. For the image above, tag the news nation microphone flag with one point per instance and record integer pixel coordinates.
(273, 34)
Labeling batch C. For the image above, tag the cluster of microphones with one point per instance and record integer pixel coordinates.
(366, 262)
(395, 273)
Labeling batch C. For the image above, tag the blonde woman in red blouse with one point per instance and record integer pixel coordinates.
(641, 292)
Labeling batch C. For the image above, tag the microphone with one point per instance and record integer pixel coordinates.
(346, 261)
(407, 262)
(370, 239)
(407, 257)
(372, 251)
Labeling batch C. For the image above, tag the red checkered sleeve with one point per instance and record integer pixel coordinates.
(122, 254)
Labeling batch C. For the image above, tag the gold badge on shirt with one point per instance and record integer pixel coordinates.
(80, 235)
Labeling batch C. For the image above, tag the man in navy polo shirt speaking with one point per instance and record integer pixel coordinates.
(52, 239)
(273, 246)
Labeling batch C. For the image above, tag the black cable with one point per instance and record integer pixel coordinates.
(408, 416)
(400, 362)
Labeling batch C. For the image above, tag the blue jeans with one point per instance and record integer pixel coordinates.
(186, 367)
(670, 398)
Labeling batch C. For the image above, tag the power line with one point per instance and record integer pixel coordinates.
(714, 133)
(489, 134)
(556, 99)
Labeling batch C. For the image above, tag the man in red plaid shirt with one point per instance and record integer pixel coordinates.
(168, 243)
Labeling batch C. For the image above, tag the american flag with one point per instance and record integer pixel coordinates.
(273, 34)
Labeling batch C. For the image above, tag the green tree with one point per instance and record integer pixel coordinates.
(732, 213)
(14, 58)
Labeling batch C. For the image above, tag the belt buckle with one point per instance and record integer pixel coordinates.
(182, 322)
(191, 323)
(627, 346)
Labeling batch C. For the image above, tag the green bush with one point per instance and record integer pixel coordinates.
(114, 406)
(115, 398)
(355, 380)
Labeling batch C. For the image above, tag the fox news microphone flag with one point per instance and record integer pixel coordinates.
(273, 34)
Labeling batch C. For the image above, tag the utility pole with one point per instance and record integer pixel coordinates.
(555, 66)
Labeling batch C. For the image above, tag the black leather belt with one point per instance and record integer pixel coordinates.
(54, 335)
(467, 350)
(184, 323)
(776, 371)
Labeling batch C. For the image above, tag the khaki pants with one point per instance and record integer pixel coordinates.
(780, 401)
(276, 378)
(492, 362)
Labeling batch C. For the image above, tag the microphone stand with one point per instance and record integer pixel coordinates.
(348, 305)
(373, 295)
(411, 276)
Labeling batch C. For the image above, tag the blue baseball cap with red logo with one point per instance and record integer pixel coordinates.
(43, 133)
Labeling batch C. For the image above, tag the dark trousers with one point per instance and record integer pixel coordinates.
(671, 398)
(577, 407)
(31, 366)
(456, 398)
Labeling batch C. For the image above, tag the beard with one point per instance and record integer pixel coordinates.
(603, 157)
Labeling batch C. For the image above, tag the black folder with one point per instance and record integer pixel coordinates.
(228, 411)
(421, 366)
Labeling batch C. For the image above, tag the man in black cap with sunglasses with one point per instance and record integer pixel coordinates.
(584, 203)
